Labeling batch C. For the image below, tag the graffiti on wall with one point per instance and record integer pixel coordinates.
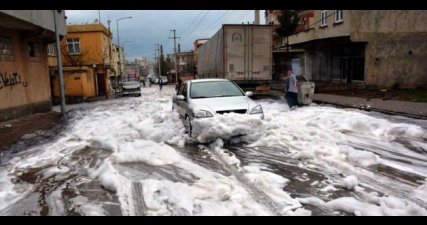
(11, 80)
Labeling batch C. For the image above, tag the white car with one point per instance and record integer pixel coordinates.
(131, 88)
(164, 79)
(204, 98)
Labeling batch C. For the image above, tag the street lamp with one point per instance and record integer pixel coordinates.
(117, 22)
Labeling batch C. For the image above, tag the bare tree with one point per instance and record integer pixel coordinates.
(288, 20)
(72, 59)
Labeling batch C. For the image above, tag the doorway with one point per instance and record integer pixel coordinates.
(101, 85)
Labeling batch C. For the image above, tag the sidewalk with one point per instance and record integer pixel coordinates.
(410, 109)
(27, 127)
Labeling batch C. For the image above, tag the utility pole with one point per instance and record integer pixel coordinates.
(159, 58)
(59, 62)
(256, 17)
(176, 56)
(99, 16)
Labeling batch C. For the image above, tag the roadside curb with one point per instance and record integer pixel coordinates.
(373, 109)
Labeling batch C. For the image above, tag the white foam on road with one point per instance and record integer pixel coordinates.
(386, 206)
(227, 126)
(259, 180)
(315, 132)
(144, 129)
(83, 206)
(210, 193)
(10, 192)
(349, 182)
(371, 205)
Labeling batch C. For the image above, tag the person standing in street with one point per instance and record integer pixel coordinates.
(142, 79)
(292, 90)
(160, 84)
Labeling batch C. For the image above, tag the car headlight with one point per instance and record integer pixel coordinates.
(202, 114)
(256, 110)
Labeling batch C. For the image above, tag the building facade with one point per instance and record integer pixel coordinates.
(185, 64)
(24, 75)
(378, 48)
(87, 62)
(117, 60)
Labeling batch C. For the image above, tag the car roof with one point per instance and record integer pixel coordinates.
(206, 80)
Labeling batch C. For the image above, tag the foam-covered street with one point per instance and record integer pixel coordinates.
(131, 156)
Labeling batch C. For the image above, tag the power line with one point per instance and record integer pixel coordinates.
(235, 16)
(192, 22)
(217, 21)
(194, 29)
(206, 32)
(242, 15)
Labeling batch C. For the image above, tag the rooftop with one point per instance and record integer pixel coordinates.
(93, 27)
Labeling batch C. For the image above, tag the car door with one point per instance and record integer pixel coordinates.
(184, 104)
(180, 105)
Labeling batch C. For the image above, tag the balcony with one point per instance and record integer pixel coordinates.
(32, 20)
(301, 37)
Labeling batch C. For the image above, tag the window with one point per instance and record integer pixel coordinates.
(183, 90)
(51, 49)
(73, 45)
(6, 46)
(231, 69)
(33, 50)
(214, 89)
(323, 18)
(338, 16)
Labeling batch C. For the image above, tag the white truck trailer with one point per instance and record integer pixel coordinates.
(241, 53)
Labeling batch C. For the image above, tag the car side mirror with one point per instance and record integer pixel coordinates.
(180, 98)
(249, 93)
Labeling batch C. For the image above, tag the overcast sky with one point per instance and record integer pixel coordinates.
(149, 27)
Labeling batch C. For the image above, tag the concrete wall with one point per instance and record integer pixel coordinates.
(396, 61)
(368, 23)
(24, 81)
(396, 52)
(396, 43)
(95, 46)
(41, 18)
(115, 63)
(331, 30)
(79, 82)
(88, 80)
(93, 49)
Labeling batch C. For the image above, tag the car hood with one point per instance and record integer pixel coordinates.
(223, 103)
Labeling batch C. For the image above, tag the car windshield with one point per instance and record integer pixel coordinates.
(213, 89)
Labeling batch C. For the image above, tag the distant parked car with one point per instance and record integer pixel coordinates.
(164, 79)
(131, 88)
(205, 98)
(156, 79)
(151, 77)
